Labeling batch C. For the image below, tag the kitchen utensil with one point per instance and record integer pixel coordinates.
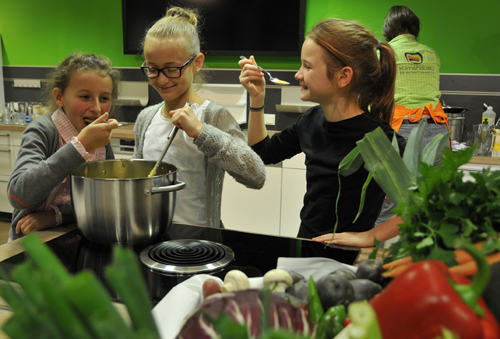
(271, 78)
(6, 114)
(484, 136)
(170, 138)
(89, 121)
(115, 202)
(456, 120)
(19, 110)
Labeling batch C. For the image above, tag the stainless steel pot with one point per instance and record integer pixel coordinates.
(456, 121)
(115, 202)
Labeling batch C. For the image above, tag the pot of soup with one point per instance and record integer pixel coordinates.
(115, 202)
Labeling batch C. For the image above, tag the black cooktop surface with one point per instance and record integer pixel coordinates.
(254, 254)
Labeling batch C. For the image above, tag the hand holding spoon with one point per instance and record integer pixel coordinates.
(170, 138)
(271, 78)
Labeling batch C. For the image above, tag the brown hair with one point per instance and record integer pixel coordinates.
(349, 44)
(400, 20)
(179, 23)
(61, 75)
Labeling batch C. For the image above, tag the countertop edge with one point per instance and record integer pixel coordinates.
(14, 247)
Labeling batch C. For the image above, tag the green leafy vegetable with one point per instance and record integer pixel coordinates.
(445, 208)
(51, 303)
(436, 205)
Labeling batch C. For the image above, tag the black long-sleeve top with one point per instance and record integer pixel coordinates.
(325, 144)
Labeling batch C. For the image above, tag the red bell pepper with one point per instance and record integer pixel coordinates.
(426, 298)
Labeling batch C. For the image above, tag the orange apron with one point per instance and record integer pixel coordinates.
(401, 112)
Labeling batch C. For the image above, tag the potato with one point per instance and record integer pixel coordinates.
(370, 269)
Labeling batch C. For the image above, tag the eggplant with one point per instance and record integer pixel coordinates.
(364, 289)
(370, 269)
(334, 289)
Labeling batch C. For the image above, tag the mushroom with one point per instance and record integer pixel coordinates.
(235, 280)
(277, 280)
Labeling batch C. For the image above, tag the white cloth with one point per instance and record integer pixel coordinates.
(183, 299)
(190, 207)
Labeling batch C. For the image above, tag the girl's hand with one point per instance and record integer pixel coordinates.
(252, 78)
(36, 222)
(98, 133)
(356, 239)
(185, 119)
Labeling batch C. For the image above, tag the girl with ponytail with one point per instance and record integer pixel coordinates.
(351, 75)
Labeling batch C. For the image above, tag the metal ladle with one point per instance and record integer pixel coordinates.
(170, 138)
(271, 78)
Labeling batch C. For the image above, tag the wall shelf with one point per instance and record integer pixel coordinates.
(232, 97)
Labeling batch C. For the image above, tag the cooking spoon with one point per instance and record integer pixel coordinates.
(170, 138)
(89, 121)
(271, 78)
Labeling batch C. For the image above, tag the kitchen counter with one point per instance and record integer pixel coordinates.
(11, 253)
(255, 256)
(125, 131)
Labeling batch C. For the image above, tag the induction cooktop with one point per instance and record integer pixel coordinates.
(254, 254)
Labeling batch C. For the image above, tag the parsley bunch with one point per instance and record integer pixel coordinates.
(437, 207)
(443, 208)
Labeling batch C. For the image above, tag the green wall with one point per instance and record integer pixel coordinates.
(466, 34)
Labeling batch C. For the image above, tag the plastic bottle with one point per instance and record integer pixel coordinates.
(489, 115)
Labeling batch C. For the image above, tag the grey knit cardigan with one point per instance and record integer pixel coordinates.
(225, 148)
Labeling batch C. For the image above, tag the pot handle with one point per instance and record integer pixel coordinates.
(165, 189)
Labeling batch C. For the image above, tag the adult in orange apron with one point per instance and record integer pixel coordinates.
(414, 115)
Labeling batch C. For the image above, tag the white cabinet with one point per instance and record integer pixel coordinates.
(293, 188)
(250, 210)
(274, 209)
(9, 146)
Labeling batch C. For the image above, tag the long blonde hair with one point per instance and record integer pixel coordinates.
(179, 23)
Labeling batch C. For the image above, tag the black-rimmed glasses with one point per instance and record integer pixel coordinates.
(169, 72)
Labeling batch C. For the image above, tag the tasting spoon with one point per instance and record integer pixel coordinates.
(271, 78)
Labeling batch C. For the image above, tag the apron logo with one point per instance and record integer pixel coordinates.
(414, 58)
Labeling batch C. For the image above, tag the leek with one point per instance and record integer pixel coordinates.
(395, 175)
(132, 292)
(93, 303)
(51, 303)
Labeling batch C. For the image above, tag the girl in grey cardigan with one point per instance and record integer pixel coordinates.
(209, 142)
(52, 146)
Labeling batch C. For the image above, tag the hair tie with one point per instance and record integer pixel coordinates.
(379, 43)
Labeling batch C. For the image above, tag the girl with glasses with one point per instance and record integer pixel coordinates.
(209, 142)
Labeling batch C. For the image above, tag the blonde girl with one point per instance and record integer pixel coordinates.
(210, 142)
